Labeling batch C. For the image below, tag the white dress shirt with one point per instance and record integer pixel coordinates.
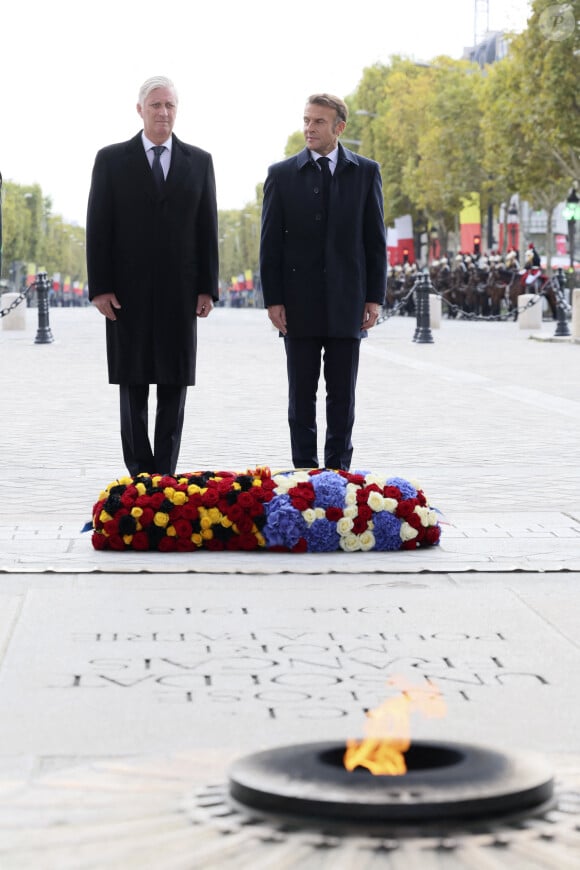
(165, 155)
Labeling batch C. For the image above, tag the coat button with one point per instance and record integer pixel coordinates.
(316, 190)
(318, 217)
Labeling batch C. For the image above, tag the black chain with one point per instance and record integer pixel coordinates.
(469, 315)
(15, 302)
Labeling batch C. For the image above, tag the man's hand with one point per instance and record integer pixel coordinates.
(106, 304)
(370, 315)
(277, 314)
(204, 305)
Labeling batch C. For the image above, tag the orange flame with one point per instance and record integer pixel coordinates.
(387, 729)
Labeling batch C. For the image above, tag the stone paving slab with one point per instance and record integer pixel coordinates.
(123, 669)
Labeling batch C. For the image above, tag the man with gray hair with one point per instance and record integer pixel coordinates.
(152, 261)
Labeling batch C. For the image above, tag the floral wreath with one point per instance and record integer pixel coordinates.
(314, 511)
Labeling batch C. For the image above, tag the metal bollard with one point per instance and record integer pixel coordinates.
(562, 329)
(423, 330)
(43, 334)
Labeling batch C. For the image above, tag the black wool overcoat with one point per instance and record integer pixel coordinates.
(323, 270)
(156, 252)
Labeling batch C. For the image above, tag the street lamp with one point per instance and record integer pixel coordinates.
(572, 214)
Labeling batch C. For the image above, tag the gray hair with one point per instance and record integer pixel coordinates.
(155, 82)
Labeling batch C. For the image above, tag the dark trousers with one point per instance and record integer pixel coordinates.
(137, 451)
(303, 358)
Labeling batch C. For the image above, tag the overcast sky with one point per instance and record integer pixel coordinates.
(70, 73)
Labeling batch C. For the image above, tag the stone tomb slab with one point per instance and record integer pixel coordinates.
(113, 672)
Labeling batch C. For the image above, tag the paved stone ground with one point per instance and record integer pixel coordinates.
(109, 717)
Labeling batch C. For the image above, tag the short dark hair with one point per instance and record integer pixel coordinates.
(332, 102)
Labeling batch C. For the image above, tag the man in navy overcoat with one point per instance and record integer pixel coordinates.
(323, 262)
(152, 260)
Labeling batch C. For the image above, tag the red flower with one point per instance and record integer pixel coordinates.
(210, 498)
(244, 523)
(235, 512)
(129, 497)
(392, 492)
(214, 544)
(359, 525)
(246, 500)
(184, 545)
(300, 546)
(156, 500)
(116, 542)
(334, 514)
(365, 512)
(248, 542)
(182, 528)
(432, 534)
(140, 541)
(146, 517)
(99, 541)
(167, 544)
(405, 509)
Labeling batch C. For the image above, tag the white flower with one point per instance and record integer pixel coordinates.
(344, 525)
(407, 532)
(427, 516)
(350, 494)
(367, 540)
(375, 501)
(320, 513)
(390, 505)
(350, 543)
(309, 515)
(351, 511)
(375, 478)
(284, 482)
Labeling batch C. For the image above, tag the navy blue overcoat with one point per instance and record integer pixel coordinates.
(323, 272)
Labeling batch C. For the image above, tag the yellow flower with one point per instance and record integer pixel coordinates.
(226, 522)
(136, 512)
(161, 519)
(156, 479)
(214, 515)
(125, 481)
(179, 497)
(205, 523)
(127, 539)
(141, 488)
(105, 517)
(196, 539)
(193, 488)
(207, 534)
(170, 531)
(168, 492)
(260, 539)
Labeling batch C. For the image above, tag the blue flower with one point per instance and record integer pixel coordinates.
(322, 537)
(387, 529)
(407, 489)
(284, 524)
(329, 489)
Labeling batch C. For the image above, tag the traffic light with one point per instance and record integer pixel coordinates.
(405, 255)
(477, 245)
